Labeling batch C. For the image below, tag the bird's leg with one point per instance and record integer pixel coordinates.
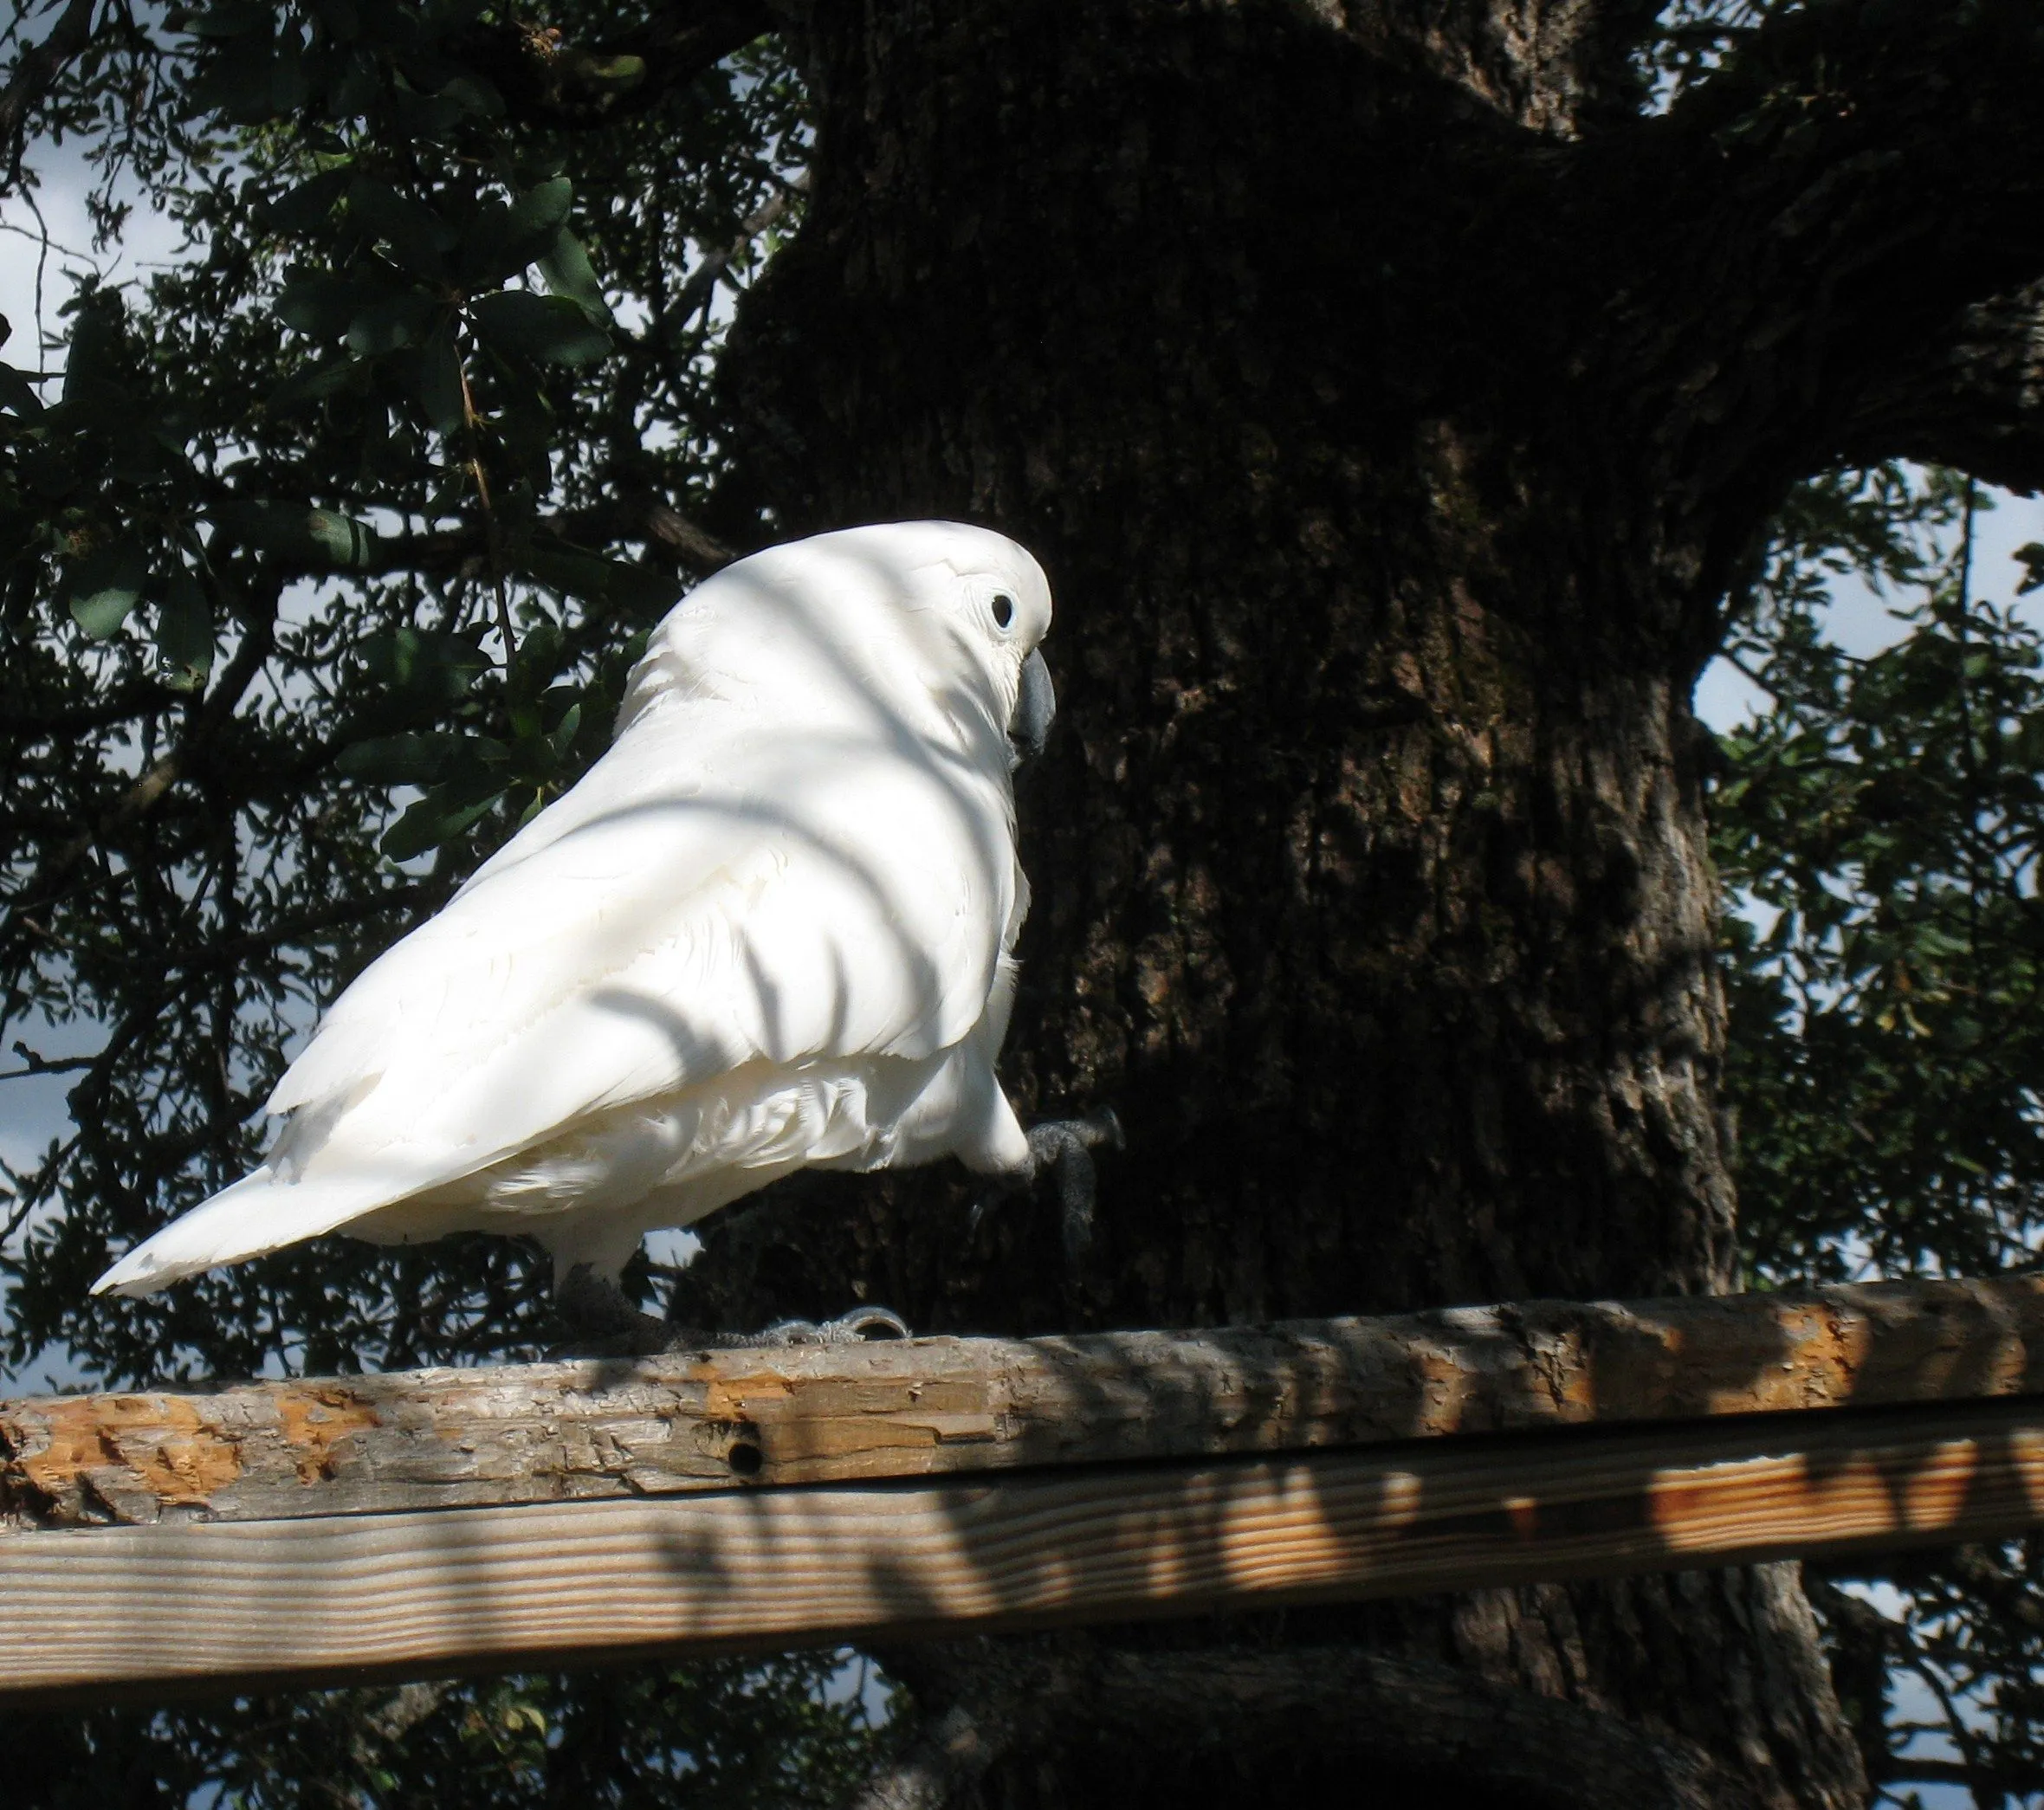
(601, 1319)
(1064, 1148)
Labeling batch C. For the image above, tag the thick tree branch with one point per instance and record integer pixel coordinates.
(1973, 397)
(947, 1758)
(1552, 66)
(451, 550)
(1796, 232)
(1074, 1694)
(130, 702)
(695, 293)
(694, 546)
(547, 82)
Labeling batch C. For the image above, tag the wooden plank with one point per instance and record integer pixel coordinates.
(931, 1407)
(227, 1605)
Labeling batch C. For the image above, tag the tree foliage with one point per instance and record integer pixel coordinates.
(322, 567)
(1879, 823)
(721, 1734)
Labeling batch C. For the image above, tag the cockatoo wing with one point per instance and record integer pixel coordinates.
(714, 894)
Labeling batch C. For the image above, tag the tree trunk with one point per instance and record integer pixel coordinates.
(1371, 883)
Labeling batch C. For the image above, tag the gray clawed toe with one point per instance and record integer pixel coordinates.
(860, 1324)
(602, 1322)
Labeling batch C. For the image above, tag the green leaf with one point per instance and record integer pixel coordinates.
(540, 655)
(96, 373)
(502, 240)
(394, 322)
(572, 574)
(416, 237)
(600, 580)
(184, 633)
(644, 589)
(301, 209)
(566, 730)
(547, 329)
(489, 252)
(402, 760)
(231, 22)
(294, 531)
(431, 376)
(620, 72)
(568, 272)
(2032, 556)
(443, 814)
(356, 90)
(538, 212)
(105, 586)
(341, 538)
(314, 384)
(424, 116)
(317, 305)
(288, 85)
(236, 83)
(431, 666)
(342, 18)
(475, 95)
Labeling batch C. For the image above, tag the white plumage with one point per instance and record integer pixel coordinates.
(773, 927)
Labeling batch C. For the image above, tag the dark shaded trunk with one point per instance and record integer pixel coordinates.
(1370, 863)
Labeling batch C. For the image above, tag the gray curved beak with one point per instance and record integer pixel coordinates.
(1035, 709)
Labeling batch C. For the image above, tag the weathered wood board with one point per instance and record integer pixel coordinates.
(259, 1604)
(267, 1534)
(620, 1431)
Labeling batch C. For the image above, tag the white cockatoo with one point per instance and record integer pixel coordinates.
(773, 927)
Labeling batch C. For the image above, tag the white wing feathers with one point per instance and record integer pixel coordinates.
(665, 933)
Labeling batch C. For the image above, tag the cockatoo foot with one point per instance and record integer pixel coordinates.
(860, 1324)
(852, 1328)
(1064, 1148)
(603, 1323)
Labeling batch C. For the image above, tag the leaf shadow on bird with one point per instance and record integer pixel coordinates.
(771, 929)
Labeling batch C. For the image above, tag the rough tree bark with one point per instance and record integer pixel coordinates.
(1393, 401)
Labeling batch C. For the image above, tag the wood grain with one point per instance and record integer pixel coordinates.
(932, 1407)
(228, 1605)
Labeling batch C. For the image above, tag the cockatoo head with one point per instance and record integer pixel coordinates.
(990, 600)
(922, 620)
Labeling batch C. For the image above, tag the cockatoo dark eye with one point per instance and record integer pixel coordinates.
(1004, 611)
